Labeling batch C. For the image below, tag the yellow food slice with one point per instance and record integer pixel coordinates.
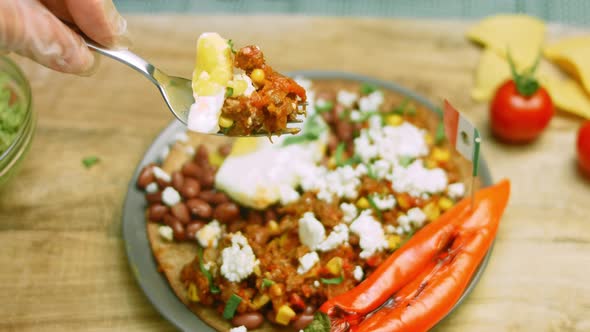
(521, 34)
(492, 71)
(567, 95)
(246, 145)
(573, 56)
(214, 67)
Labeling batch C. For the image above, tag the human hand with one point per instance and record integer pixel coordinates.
(33, 28)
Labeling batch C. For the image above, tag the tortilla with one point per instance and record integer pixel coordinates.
(171, 257)
(573, 56)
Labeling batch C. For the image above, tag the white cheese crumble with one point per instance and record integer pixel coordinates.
(203, 116)
(371, 235)
(346, 98)
(209, 235)
(414, 217)
(161, 174)
(381, 168)
(337, 237)
(288, 195)
(307, 261)
(358, 273)
(384, 203)
(238, 259)
(170, 196)
(349, 211)
(166, 232)
(181, 137)
(151, 188)
(316, 283)
(416, 179)
(355, 115)
(371, 102)
(341, 182)
(389, 229)
(239, 329)
(456, 190)
(250, 86)
(311, 231)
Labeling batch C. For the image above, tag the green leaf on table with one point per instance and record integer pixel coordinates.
(90, 161)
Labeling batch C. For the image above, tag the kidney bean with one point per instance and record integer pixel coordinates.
(177, 181)
(255, 217)
(224, 150)
(344, 130)
(146, 176)
(190, 188)
(300, 322)
(154, 197)
(202, 155)
(176, 225)
(226, 212)
(157, 211)
(191, 169)
(162, 183)
(207, 179)
(328, 117)
(199, 208)
(236, 226)
(180, 211)
(192, 228)
(213, 197)
(250, 320)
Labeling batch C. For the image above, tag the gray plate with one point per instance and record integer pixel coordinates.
(138, 249)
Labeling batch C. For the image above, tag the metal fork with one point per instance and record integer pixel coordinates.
(177, 91)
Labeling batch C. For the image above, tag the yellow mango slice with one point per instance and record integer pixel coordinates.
(521, 34)
(573, 56)
(492, 71)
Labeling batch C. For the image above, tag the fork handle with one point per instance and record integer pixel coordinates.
(126, 57)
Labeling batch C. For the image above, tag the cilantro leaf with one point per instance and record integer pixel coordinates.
(405, 161)
(90, 161)
(325, 106)
(312, 130)
(339, 154)
(229, 92)
(267, 283)
(332, 281)
(230, 43)
(212, 288)
(367, 88)
(231, 306)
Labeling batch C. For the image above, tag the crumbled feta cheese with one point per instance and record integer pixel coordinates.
(456, 190)
(341, 182)
(346, 98)
(311, 231)
(371, 102)
(164, 153)
(307, 261)
(316, 283)
(166, 232)
(389, 229)
(416, 216)
(338, 236)
(209, 235)
(416, 179)
(239, 329)
(384, 203)
(355, 115)
(381, 168)
(203, 116)
(349, 211)
(181, 137)
(170, 196)
(375, 122)
(372, 237)
(358, 273)
(151, 188)
(161, 174)
(288, 195)
(361, 170)
(238, 260)
(250, 86)
(403, 224)
(364, 148)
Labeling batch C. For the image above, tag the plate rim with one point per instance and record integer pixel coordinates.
(137, 247)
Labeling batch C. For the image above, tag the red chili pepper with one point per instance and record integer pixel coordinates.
(429, 273)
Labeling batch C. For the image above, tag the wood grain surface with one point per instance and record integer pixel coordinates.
(63, 265)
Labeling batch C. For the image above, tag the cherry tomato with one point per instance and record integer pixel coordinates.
(584, 148)
(517, 118)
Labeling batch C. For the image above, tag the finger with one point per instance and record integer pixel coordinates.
(28, 28)
(99, 20)
(59, 9)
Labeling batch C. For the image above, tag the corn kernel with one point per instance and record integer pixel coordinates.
(257, 76)
(394, 120)
(275, 290)
(215, 159)
(192, 293)
(257, 271)
(430, 163)
(284, 315)
(273, 227)
(239, 87)
(445, 203)
(225, 122)
(393, 241)
(283, 240)
(362, 203)
(334, 265)
(259, 301)
(331, 163)
(428, 139)
(403, 201)
(431, 211)
(440, 154)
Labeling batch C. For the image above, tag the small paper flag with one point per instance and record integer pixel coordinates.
(462, 135)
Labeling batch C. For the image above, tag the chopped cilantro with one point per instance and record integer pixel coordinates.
(212, 288)
(367, 88)
(311, 132)
(90, 161)
(325, 106)
(371, 172)
(365, 116)
(267, 283)
(231, 306)
(320, 323)
(374, 206)
(230, 43)
(405, 161)
(332, 281)
(229, 92)
(339, 154)
(439, 136)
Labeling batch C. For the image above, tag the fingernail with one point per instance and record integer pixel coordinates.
(93, 67)
(118, 25)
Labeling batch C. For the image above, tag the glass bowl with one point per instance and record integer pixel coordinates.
(12, 154)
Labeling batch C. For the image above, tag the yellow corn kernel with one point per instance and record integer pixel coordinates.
(432, 211)
(275, 290)
(403, 201)
(393, 241)
(259, 301)
(283, 240)
(394, 120)
(428, 139)
(430, 163)
(239, 87)
(440, 154)
(362, 203)
(215, 159)
(257, 76)
(257, 271)
(332, 163)
(273, 227)
(334, 265)
(192, 293)
(445, 203)
(284, 315)
(225, 122)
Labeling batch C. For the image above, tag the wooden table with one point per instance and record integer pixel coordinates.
(63, 265)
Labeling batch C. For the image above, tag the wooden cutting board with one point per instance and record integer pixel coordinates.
(63, 265)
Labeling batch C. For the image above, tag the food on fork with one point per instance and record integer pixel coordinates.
(238, 94)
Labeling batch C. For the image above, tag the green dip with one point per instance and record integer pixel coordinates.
(12, 111)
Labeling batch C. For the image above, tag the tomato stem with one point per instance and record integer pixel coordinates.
(526, 83)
